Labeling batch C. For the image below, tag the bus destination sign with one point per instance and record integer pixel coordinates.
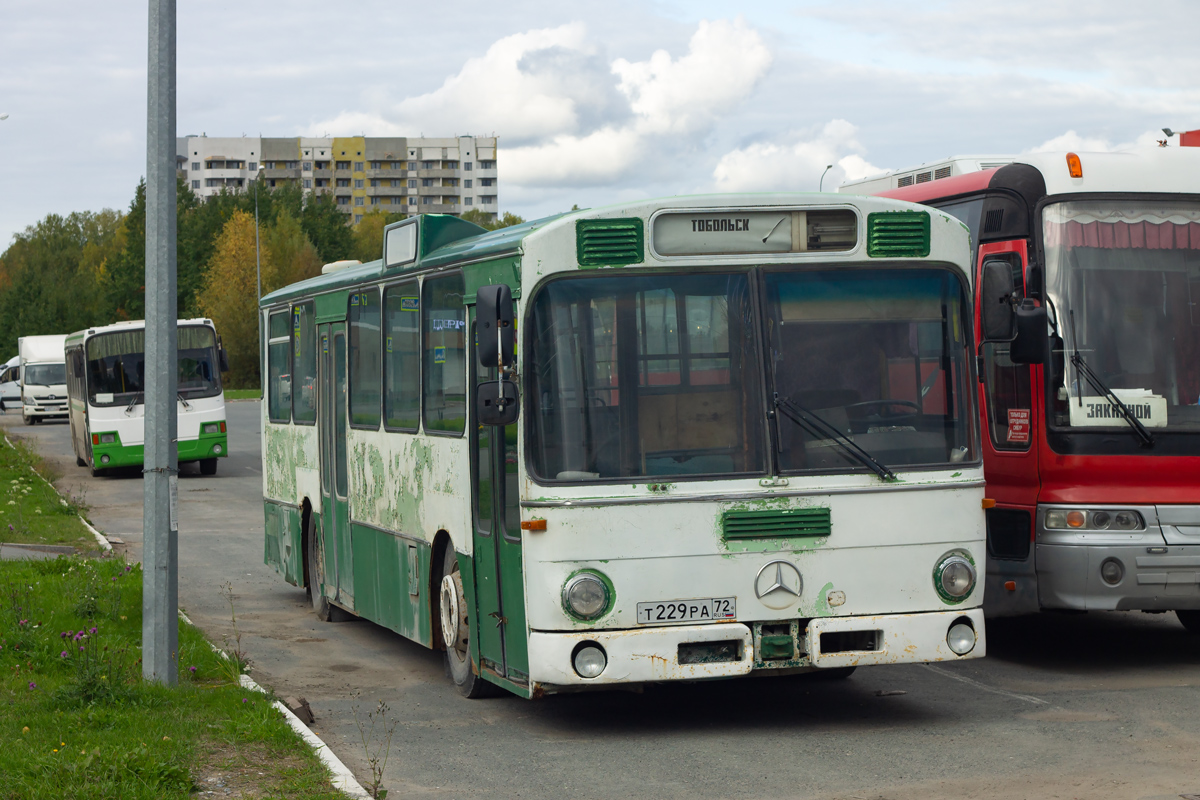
(698, 233)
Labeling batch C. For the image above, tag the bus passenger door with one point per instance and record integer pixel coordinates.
(499, 586)
(334, 479)
(1011, 424)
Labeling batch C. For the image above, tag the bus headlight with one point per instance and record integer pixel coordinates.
(587, 595)
(961, 638)
(108, 438)
(212, 427)
(954, 577)
(589, 660)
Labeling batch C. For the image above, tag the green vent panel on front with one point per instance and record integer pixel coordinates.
(898, 234)
(609, 242)
(776, 524)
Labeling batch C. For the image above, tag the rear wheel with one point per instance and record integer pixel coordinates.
(1189, 620)
(452, 611)
(208, 466)
(316, 572)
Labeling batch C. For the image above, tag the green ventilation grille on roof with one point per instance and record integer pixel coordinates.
(779, 523)
(609, 242)
(898, 234)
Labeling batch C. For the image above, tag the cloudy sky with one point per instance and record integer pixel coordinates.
(595, 102)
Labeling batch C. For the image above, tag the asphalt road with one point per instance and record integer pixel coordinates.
(1103, 705)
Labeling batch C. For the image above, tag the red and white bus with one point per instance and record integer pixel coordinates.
(1091, 421)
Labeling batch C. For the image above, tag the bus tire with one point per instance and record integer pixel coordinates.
(834, 673)
(452, 613)
(79, 462)
(27, 419)
(208, 466)
(1189, 620)
(316, 572)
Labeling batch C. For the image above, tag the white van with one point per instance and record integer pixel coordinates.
(43, 378)
(10, 384)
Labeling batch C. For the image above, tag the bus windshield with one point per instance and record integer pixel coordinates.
(116, 368)
(45, 374)
(877, 355)
(1124, 278)
(645, 376)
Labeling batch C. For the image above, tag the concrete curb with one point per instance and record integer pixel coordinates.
(104, 543)
(343, 779)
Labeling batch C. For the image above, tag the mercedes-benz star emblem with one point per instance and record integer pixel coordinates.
(778, 584)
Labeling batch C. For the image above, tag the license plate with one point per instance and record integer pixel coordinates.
(702, 610)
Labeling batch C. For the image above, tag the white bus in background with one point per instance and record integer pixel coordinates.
(43, 378)
(106, 372)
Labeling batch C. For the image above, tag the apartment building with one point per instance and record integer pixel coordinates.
(410, 175)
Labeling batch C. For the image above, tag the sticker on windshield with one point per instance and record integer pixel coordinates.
(1018, 425)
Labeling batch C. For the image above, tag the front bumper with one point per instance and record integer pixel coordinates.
(44, 409)
(653, 654)
(1069, 577)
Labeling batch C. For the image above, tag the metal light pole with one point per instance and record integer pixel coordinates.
(160, 529)
(821, 184)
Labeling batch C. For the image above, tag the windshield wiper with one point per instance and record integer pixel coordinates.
(132, 402)
(822, 429)
(1100, 386)
(183, 400)
(1108, 394)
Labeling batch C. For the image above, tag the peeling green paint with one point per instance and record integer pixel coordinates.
(822, 608)
(289, 448)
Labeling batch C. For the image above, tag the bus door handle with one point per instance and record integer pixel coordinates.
(499, 619)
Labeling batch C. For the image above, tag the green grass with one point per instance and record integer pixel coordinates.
(77, 721)
(243, 394)
(31, 511)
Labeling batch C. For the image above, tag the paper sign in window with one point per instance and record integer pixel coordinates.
(1018, 425)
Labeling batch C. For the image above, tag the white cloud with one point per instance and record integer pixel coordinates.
(1093, 144)
(725, 61)
(796, 164)
(681, 97)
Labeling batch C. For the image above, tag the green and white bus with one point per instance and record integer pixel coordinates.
(737, 435)
(106, 371)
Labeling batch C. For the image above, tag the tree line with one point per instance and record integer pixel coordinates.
(85, 269)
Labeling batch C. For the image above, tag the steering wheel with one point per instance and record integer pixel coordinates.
(884, 404)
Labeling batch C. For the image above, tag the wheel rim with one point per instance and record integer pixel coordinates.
(454, 615)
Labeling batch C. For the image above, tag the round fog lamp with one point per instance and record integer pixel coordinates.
(961, 638)
(217, 449)
(1112, 571)
(586, 596)
(103, 459)
(590, 660)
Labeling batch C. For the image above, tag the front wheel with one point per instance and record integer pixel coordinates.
(1189, 620)
(833, 673)
(452, 610)
(208, 466)
(316, 573)
(28, 420)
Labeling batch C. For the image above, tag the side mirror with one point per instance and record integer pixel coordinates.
(498, 402)
(1029, 346)
(223, 358)
(494, 324)
(997, 318)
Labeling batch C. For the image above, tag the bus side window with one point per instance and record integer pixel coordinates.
(402, 357)
(279, 389)
(366, 362)
(304, 364)
(443, 322)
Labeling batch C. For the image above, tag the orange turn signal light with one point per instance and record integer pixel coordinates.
(988, 503)
(1074, 165)
(1010, 585)
(533, 524)
(1076, 519)
(95, 438)
(222, 426)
